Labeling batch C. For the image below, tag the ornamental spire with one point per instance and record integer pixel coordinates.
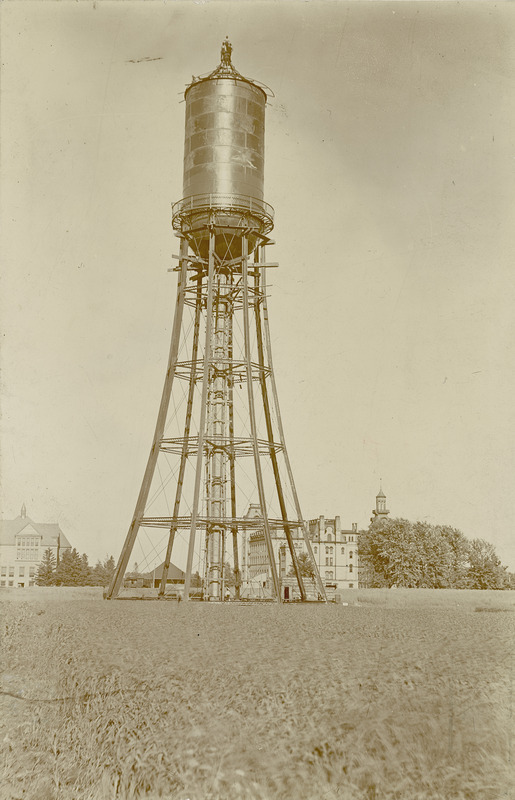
(225, 53)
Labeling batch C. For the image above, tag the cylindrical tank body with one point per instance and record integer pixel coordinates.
(223, 163)
(225, 139)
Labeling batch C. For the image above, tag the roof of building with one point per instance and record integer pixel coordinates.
(253, 511)
(380, 493)
(49, 531)
(174, 573)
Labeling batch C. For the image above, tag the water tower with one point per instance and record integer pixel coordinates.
(219, 445)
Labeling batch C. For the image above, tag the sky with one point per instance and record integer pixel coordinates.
(390, 165)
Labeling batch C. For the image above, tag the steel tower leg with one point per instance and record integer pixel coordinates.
(232, 466)
(203, 410)
(222, 568)
(232, 459)
(268, 343)
(117, 579)
(270, 432)
(252, 415)
(232, 478)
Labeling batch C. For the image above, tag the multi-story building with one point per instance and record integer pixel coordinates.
(22, 544)
(335, 551)
(254, 562)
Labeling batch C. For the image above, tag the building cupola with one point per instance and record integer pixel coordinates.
(381, 502)
(380, 512)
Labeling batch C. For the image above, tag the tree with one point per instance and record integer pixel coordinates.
(229, 576)
(87, 577)
(46, 570)
(486, 570)
(102, 573)
(70, 570)
(459, 547)
(397, 552)
(391, 554)
(109, 568)
(73, 570)
(97, 574)
(196, 580)
(306, 566)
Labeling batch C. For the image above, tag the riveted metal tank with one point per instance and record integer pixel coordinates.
(225, 138)
(223, 159)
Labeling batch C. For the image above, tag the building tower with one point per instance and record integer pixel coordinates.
(219, 443)
(380, 512)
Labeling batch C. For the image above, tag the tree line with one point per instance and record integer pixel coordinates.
(398, 552)
(73, 569)
(395, 552)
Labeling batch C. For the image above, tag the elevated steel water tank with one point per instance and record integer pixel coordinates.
(225, 138)
(223, 156)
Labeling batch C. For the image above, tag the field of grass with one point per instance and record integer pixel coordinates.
(400, 695)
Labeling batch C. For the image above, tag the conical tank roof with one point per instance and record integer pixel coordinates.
(225, 69)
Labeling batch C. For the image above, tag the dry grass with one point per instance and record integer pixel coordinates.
(402, 697)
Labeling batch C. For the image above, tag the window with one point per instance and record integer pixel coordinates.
(351, 538)
(11, 572)
(328, 534)
(351, 586)
(344, 538)
(21, 572)
(330, 562)
(327, 561)
(330, 549)
(11, 583)
(350, 567)
(328, 574)
(315, 550)
(343, 551)
(4, 571)
(27, 548)
(350, 553)
(32, 571)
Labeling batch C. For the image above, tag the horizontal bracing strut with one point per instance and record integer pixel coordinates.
(235, 296)
(240, 446)
(238, 370)
(243, 523)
